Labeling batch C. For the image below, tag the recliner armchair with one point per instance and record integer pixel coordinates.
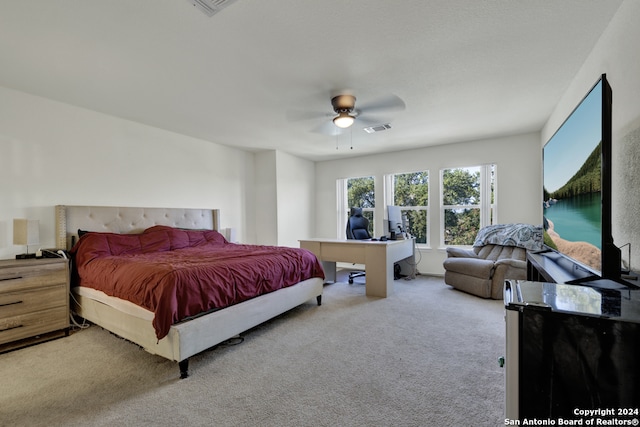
(357, 229)
(499, 253)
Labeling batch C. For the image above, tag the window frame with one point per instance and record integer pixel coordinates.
(488, 198)
(389, 198)
(343, 207)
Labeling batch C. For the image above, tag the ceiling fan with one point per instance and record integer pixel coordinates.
(344, 106)
(346, 114)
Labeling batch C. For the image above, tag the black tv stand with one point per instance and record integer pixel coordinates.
(550, 266)
(541, 251)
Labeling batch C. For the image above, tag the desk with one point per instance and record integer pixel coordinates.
(378, 258)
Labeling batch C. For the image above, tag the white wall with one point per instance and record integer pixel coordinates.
(296, 202)
(266, 198)
(284, 196)
(617, 55)
(518, 159)
(53, 153)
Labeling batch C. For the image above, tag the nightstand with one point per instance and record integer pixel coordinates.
(34, 301)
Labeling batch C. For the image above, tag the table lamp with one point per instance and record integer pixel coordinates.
(26, 232)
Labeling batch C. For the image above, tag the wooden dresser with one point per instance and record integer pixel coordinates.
(34, 301)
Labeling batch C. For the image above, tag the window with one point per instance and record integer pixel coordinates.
(356, 192)
(410, 191)
(468, 198)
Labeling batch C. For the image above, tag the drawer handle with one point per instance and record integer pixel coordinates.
(10, 328)
(2, 279)
(11, 303)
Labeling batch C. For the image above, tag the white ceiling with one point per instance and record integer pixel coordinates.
(466, 69)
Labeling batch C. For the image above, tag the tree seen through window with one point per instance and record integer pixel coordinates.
(411, 193)
(361, 193)
(463, 198)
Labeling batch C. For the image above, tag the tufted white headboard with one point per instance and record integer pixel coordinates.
(127, 220)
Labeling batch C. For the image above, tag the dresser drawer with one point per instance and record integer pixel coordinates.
(34, 301)
(27, 325)
(20, 278)
(28, 301)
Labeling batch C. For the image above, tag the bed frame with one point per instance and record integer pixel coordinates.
(186, 338)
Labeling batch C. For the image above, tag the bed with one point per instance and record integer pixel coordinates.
(187, 333)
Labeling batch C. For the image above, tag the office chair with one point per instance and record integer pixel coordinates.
(357, 229)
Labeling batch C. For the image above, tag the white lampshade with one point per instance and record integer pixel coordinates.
(26, 232)
(343, 120)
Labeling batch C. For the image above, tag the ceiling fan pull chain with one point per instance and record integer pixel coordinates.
(351, 137)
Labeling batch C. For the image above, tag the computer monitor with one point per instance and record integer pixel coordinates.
(395, 221)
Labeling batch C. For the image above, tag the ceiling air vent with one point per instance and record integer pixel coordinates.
(378, 128)
(211, 7)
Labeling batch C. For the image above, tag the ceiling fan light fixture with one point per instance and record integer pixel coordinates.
(343, 120)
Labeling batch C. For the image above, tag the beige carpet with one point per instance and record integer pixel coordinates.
(426, 356)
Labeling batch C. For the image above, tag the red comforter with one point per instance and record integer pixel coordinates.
(181, 273)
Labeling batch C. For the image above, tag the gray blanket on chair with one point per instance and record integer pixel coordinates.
(525, 236)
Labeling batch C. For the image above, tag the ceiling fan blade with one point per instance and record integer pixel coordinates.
(328, 128)
(368, 121)
(385, 103)
(297, 116)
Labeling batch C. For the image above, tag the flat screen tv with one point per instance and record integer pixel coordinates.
(577, 187)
